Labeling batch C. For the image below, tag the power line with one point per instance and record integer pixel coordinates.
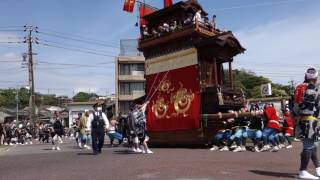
(9, 27)
(256, 5)
(11, 30)
(10, 81)
(9, 61)
(9, 37)
(77, 39)
(11, 42)
(70, 64)
(69, 45)
(75, 49)
(82, 37)
(75, 67)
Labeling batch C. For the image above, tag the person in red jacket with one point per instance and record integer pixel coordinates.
(269, 134)
(288, 127)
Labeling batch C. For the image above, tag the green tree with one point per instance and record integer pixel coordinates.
(83, 97)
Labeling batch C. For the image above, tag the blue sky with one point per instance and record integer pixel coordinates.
(281, 38)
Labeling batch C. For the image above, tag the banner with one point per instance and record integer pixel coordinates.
(266, 90)
(129, 5)
(175, 100)
(167, 3)
(144, 10)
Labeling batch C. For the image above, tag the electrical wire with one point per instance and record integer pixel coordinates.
(256, 5)
(70, 64)
(69, 45)
(9, 27)
(12, 42)
(11, 30)
(9, 61)
(77, 39)
(81, 37)
(75, 49)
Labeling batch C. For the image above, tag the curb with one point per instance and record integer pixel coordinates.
(4, 149)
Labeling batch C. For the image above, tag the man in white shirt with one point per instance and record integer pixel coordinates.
(197, 17)
(97, 124)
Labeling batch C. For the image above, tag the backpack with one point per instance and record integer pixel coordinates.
(299, 93)
(97, 121)
(298, 98)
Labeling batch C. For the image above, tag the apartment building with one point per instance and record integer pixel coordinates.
(129, 74)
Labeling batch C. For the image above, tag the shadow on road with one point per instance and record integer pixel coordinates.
(124, 152)
(48, 149)
(274, 174)
(85, 154)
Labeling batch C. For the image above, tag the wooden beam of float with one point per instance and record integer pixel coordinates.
(232, 115)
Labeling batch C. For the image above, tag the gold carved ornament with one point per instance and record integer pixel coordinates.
(160, 108)
(182, 100)
(165, 86)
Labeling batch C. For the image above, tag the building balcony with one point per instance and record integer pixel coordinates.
(131, 97)
(130, 59)
(134, 77)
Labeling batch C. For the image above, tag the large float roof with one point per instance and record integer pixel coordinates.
(226, 43)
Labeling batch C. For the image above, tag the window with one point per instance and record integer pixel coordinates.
(126, 69)
(124, 106)
(128, 88)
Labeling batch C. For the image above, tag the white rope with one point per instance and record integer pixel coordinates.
(158, 85)
(152, 86)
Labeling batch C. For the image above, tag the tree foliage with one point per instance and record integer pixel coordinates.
(8, 98)
(250, 84)
(83, 97)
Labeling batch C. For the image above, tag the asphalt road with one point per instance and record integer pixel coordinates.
(38, 162)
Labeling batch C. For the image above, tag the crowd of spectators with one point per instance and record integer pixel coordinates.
(169, 27)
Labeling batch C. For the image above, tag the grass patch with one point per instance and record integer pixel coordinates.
(3, 146)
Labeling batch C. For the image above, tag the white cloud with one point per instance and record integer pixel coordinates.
(282, 50)
(8, 36)
(70, 84)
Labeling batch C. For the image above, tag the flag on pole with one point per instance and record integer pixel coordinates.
(129, 5)
(144, 10)
(167, 3)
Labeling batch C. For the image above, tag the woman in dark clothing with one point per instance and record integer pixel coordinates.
(58, 132)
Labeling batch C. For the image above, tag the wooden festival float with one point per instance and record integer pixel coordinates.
(190, 94)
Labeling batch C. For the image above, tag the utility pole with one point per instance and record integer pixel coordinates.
(17, 99)
(292, 86)
(29, 40)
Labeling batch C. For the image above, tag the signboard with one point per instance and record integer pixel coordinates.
(266, 89)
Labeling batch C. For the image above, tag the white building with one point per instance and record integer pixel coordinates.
(76, 107)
